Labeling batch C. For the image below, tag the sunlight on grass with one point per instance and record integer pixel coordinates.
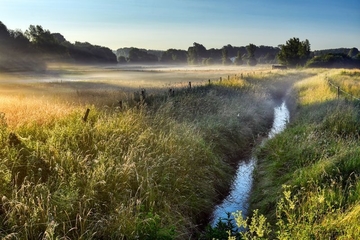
(317, 158)
(152, 169)
(155, 167)
(21, 110)
(348, 80)
(314, 90)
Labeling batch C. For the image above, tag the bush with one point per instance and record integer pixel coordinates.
(332, 60)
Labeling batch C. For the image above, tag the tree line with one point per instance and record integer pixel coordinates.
(293, 53)
(199, 55)
(30, 50)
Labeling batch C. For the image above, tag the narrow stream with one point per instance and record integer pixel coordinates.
(238, 197)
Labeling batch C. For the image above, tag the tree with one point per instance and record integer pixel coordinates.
(40, 37)
(225, 56)
(4, 32)
(122, 60)
(192, 56)
(196, 53)
(353, 52)
(294, 52)
(251, 48)
(137, 55)
(238, 59)
(333, 60)
(209, 61)
(174, 56)
(269, 58)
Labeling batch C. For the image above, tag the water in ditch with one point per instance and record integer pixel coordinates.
(238, 197)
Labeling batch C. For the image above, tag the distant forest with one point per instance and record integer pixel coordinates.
(197, 54)
(32, 49)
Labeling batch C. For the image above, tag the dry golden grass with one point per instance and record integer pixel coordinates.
(20, 110)
(30, 98)
(315, 89)
(347, 80)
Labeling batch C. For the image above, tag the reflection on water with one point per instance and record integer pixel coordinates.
(238, 197)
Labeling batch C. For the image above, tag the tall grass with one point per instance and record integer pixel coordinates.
(152, 171)
(317, 159)
(348, 81)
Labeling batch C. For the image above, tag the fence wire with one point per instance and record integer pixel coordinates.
(339, 90)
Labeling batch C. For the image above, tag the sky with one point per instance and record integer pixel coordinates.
(164, 24)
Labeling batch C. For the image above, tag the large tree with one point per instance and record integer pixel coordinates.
(251, 48)
(225, 56)
(353, 52)
(42, 39)
(294, 52)
(196, 53)
(139, 56)
(238, 59)
(174, 56)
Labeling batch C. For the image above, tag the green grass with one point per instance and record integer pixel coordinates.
(156, 169)
(152, 171)
(317, 158)
(348, 81)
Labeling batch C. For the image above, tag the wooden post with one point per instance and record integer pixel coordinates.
(120, 104)
(338, 92)
(86, 115)
(190, 85)
(220, 79)
(228, 77)
(142, 95)
(209, 82)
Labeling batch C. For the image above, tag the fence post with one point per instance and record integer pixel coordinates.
(86, 115)
(209, 82)
(189, 85)
(120, 104)
(338, 92)
(143, 95)
(220, 79)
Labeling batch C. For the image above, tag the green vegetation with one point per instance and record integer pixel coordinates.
(174, 56)
(348, 81)
(153, 170)
(307, 183)
(33, 49)
(238, 59)
(251, 48)
(333, 60)
(225, 57)
(138, 56)
(294, 52)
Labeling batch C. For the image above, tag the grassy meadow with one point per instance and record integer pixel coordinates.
(151, 169)
(307, 182)
(156, 167)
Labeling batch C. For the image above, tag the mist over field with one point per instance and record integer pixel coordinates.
(126, 78)
(138, 143)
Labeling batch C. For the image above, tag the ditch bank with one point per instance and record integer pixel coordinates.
(238, 198)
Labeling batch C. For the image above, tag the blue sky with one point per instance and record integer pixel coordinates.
(164, 24)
